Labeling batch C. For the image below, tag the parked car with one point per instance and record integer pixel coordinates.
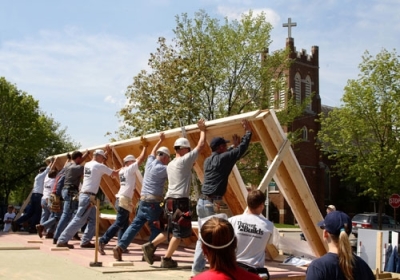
(370, 221)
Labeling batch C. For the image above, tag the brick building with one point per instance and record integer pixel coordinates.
(302, 80)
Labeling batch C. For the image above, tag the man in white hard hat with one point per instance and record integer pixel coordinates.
(177, 198)
(93, 171)
(217, 168)
(151, 196)
(123, 204)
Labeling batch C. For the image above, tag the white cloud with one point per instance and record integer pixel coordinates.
(236, 13)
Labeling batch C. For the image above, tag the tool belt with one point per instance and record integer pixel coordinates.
(178, 214)
(125, 202)
(54, 203)
(92, 197)
(151, 198)
(71, 187)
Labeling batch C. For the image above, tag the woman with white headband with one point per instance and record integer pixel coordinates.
(219, 245)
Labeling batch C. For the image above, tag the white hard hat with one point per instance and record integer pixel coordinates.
(100, 152)
(129, 158)
(182, 142)
(164, 150)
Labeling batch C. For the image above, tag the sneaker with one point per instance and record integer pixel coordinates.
(117, 253)
(168, 263)
(40, 229)
(148, 252)
(88, 245)
(63, 245)
(100, 248)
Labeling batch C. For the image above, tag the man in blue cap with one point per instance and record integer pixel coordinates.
(217, 168)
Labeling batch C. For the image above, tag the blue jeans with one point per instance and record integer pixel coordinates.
(120, 225)
(34, 212)
(204, 209)
(70, 206)
(86, 213)
(147, 212)
(45, 211)
(51, 223)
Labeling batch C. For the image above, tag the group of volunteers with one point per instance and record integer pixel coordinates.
(233, 247)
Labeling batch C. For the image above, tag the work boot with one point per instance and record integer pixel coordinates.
(40, 229)
(117, 253)
(88, 245)
(49, 235)
(168, 263)
(55, 240)
(63, 245)
(148, 252)
(101, 247)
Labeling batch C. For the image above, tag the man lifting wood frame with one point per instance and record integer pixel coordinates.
(284, 168)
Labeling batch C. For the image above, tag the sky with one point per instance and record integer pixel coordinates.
(77, 58)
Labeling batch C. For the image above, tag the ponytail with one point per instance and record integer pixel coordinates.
(345, 253)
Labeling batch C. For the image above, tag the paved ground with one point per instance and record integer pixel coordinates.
(23, 259)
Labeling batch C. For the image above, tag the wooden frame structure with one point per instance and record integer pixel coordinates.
(283, 167)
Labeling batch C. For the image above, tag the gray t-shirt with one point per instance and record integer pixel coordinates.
(73, 174)
(179, 175)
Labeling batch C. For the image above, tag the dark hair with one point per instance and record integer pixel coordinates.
(53, 173)
(219, 232)
(76, 154)
(255, 198)
(41, 169)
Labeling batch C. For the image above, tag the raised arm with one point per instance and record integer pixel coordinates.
(201, 124)
(142, 155)
(85, 155)
(158, 144)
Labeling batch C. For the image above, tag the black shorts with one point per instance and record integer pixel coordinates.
(181, 226)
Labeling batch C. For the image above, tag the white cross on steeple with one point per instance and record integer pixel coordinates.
(289, 25)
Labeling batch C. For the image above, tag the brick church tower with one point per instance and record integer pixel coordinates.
(302, 79)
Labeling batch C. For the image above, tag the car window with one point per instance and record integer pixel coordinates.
(385, 220)
(360, 218)
(375, 219)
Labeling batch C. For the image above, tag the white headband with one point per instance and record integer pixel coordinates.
(216, 247)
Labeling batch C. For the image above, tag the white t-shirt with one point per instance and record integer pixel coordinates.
(179, 172)
(39, 181)
(8, 217)
(92, 176)
(48, 185)
(127, 179)
(253, 233)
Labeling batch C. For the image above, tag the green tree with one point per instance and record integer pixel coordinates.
(213, 70)
(363, 134)
(27, 137)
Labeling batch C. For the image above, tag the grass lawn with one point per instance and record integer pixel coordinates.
(108, 211)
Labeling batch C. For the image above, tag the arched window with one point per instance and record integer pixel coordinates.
(308, 91)
(304, 132)
(297, 88)
(272, 98)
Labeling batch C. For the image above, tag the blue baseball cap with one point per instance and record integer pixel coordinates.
(335, 222)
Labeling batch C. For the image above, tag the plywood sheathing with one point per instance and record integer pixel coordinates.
(267, 131)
